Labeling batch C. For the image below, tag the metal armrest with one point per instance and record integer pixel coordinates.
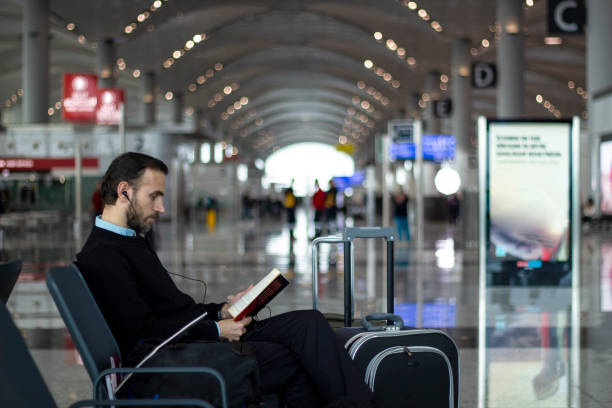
(143, 402)
(158, 370)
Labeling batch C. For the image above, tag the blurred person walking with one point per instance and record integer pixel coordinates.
(318, 203)
(400, 214)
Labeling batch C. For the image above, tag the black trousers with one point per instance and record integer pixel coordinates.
(300, 356)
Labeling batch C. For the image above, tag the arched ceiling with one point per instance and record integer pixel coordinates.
(274, 72)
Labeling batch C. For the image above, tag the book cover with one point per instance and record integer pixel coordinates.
(259, 296)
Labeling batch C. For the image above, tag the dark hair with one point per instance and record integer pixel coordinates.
(127, 167)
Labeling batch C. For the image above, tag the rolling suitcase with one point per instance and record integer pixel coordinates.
(403, 367)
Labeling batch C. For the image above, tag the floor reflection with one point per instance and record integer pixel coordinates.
(528, 354)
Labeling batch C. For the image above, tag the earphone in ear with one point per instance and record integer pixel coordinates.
(125, 194)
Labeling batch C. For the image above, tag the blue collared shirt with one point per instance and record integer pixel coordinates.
(109, 226)
(126, 232)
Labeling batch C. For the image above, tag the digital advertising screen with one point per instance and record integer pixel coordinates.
(605, 160)
(529, 202)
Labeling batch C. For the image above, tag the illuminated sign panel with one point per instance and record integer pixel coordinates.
(108, 111)
(80, 98)
(529, 199)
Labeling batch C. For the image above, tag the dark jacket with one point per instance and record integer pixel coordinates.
(135, 293)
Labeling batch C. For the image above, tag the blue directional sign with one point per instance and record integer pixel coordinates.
(436, 148)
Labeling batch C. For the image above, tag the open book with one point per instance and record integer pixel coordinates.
(259, 295)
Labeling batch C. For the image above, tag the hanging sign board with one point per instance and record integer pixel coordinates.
(566, 17)
(80, 98)
(528, 203)
(436, 148)
(108, 111)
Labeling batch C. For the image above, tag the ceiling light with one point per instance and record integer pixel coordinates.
(169, 95)
(529, 3)
(192, 87)
(368, 64)
(218, 66)
(189, 44)
(227, 90)
(395, 83)
(444, 78)
(361, 85)
(201, 79)
(210, 73)
(391, 45)
(136, 73)
(539, 98)
(553, 40)
(378, 36)
(244, 100)
(485, 43)
(218, 97)
(411, 5)
(387, 76)
(571, 85)
(411, 60)
(70, 26)
(177, 54)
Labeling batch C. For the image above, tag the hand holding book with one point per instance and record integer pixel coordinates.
(250, 301)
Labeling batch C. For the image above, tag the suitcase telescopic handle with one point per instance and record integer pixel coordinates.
(369, 232)
(388, 233)
(315, 264)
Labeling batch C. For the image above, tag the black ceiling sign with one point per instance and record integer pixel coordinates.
(484, 75)
(443, 108)
(566, 16)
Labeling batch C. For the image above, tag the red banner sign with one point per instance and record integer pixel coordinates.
(109, 106)
(80, 97)
(44, 164)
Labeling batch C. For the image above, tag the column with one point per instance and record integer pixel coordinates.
(106, 63)
(177, 107)
(599, 86)
(464, 131)
(198, 120)
(432, 89)
(510, 59)
(149, 96)
(35, 61)
(413, 110)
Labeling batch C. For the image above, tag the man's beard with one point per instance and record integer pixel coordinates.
(135, 222)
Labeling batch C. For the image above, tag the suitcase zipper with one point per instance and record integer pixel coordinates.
(355, 342)
(372, 368)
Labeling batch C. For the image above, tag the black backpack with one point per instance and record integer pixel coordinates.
(233, 360)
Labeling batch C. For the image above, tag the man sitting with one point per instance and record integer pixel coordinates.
(297, 352)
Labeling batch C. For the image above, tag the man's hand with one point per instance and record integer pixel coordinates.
(231, 300)
(232, 330)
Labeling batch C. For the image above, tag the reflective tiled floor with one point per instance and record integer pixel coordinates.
(529, 353)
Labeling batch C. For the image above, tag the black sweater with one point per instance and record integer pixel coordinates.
(136, 295)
